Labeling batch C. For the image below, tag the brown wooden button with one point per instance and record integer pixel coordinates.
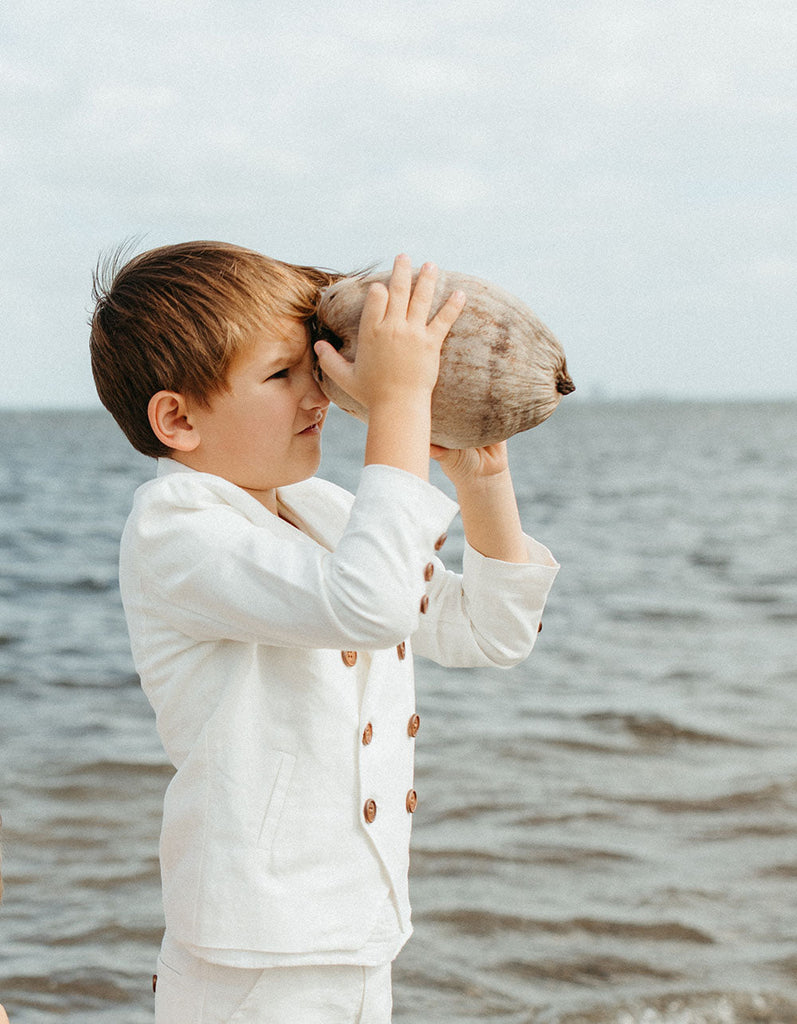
(424, 603)
(401, 650)
(414, 725)
(369, 810)
(539, 628)
(349, 657)
(440, 541)
(154, 982)
(428, 572)
(412, 801)
(368, 734)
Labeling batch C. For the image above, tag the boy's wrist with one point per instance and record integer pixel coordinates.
(398, 433)
(491, 518)
(486, 485)
(394, 399)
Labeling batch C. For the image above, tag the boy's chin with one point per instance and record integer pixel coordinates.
(308, 469)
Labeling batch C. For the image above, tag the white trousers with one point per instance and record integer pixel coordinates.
(193, 991)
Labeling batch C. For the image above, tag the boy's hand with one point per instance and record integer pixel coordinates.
(396, 365)
(467, 465)
(398, 347)
(486, 499)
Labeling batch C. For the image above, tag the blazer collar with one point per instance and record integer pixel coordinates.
(315, 506)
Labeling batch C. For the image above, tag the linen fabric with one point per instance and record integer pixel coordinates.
(192, 991)
(237, 622)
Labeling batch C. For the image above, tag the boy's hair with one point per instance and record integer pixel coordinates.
(174, 318)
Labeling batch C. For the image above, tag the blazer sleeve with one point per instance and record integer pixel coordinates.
(203, 567)
(488, 616)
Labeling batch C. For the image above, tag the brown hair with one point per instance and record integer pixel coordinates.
(174, 318)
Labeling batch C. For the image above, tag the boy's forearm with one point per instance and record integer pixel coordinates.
(491, 520)
(398, 434)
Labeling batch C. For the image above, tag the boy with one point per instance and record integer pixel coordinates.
(270, 615)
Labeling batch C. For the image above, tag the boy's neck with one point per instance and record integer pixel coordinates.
(267, 498)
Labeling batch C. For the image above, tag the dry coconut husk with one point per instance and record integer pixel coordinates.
(501, 369)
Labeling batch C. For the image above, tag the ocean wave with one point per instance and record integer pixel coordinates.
(485, 923)
(686, 1008)
(658, 729)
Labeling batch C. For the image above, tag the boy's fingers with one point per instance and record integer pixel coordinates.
(400, 286)
(438, 452)
(449, 311)
(423, 294)
(375, 305)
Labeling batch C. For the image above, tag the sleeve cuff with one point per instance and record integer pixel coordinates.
(530, 580)
(506, 602)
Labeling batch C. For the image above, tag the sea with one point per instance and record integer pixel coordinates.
(606, 834)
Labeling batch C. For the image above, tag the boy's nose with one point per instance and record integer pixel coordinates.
(314, 396)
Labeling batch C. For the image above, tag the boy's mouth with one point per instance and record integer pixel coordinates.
(314, 427)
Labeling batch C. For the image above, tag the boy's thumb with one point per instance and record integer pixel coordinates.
(333, 364)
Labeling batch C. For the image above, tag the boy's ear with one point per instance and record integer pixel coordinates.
(170, 422)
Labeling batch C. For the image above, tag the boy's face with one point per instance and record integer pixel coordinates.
(264, 430)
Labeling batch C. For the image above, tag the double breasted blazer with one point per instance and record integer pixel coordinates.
(278, 662)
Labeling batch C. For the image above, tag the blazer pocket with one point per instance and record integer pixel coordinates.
(283, 765)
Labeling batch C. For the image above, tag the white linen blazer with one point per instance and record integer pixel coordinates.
(272, 657)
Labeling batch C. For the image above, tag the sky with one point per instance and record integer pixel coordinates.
(626, 168)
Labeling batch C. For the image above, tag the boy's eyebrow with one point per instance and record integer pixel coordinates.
(280, 352)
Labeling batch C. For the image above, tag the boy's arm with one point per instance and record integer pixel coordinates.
(488, 505)
(491, 614)
(193, 561)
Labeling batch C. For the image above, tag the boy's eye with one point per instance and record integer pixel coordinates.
(278, 374)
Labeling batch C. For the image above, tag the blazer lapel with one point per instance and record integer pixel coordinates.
(319, 509)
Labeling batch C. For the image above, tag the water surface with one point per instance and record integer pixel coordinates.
(607, 833)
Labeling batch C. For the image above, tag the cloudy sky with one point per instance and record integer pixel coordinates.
(625, 167)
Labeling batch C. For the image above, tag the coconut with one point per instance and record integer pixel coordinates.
(501, 370)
